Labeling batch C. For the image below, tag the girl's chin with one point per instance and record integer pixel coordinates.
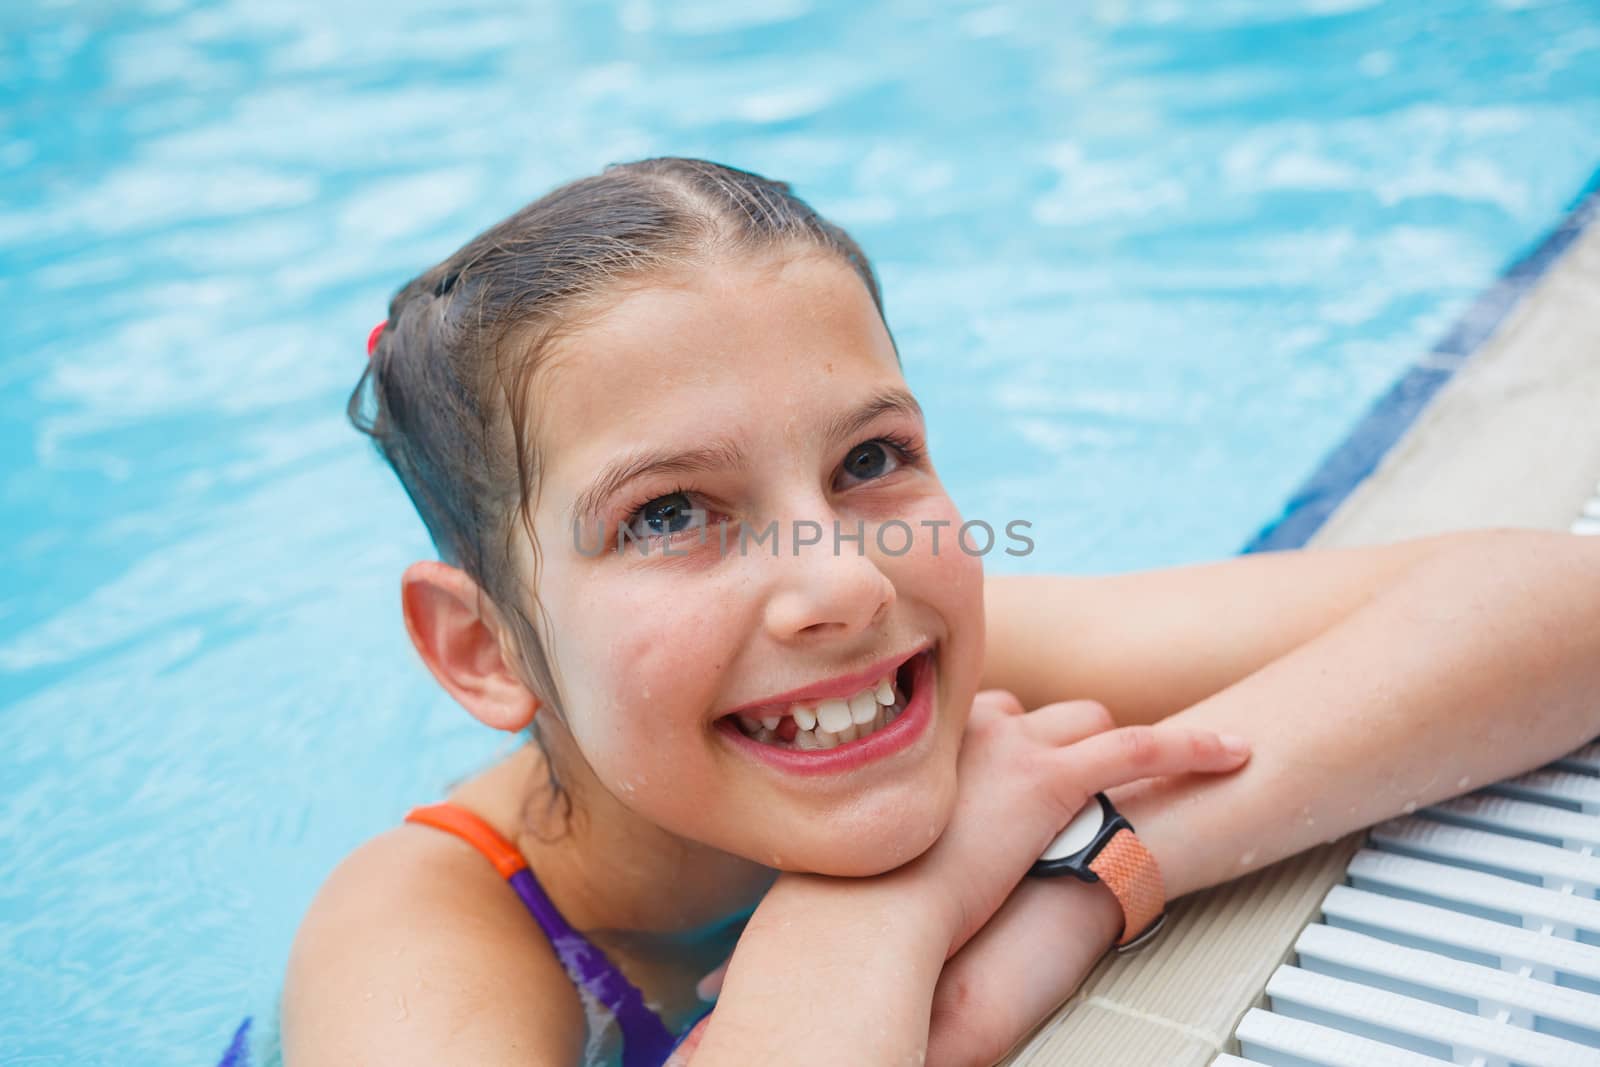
(859, 865)
(880, 842)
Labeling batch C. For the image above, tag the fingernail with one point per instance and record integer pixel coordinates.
(709, 987)
(1234, 744)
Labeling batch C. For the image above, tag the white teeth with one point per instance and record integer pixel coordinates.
(831, 722)
(818, 735)
(833, 716)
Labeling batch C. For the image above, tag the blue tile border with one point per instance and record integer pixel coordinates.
(1359, 454)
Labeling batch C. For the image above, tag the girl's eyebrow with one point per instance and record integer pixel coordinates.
(849, 423)
(719, 455)
(724, 453)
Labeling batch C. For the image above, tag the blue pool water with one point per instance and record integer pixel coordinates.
(1146, 262)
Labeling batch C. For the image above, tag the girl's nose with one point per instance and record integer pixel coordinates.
(826, 590)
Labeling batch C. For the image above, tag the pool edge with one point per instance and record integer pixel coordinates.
(1370, 442)
(1511, 438)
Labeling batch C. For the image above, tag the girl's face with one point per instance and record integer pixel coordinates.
(755, 398)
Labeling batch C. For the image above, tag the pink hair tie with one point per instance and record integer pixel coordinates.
(372, 338)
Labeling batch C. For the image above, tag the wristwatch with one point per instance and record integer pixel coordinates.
(1099, 845)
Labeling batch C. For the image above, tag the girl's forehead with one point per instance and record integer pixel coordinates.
(743, 354)
(749, 338)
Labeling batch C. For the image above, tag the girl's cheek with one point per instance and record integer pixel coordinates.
(940, 551)
(660, 665)
(945, 571)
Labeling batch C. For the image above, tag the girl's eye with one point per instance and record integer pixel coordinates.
(874, 459)
(867, 461)
(665, 516)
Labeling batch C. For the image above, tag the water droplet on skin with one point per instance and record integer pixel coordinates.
(1248, 858)
(1411, 806)
(1463, 782)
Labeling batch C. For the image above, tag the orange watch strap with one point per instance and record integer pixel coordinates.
(1131, 873)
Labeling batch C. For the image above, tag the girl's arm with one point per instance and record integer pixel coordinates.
(1480, 662)
(413, 953)
(1151, 643)
(1480, 659)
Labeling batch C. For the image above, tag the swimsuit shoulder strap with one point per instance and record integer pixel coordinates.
(646, 1041)
(474, 831)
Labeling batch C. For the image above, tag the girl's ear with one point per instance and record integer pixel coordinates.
(457, 633)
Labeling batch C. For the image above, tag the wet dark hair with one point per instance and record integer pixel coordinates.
(445, 394)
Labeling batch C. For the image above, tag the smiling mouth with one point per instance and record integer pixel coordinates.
(818, 725)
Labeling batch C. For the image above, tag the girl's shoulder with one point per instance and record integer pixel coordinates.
(416, 951)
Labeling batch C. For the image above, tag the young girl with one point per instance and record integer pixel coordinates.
(657, 428)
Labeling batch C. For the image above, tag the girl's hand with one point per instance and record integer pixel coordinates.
(1022, 777)
(1053, 930)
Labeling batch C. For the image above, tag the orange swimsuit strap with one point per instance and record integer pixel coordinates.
(474, 831)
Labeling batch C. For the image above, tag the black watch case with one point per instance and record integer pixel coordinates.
(1076, 846)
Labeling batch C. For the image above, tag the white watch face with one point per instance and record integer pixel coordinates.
(1079, 832)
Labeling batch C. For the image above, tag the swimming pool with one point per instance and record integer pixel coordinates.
(1146, 263)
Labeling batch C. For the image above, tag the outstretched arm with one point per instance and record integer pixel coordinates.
(1151, 643)
(1479, 658)
(1480, 662)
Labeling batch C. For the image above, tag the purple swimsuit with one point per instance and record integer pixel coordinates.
(646, 1041)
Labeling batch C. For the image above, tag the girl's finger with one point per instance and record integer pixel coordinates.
(710, 986)
(1117, 757)
(1000, 700)
(1069, 721)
